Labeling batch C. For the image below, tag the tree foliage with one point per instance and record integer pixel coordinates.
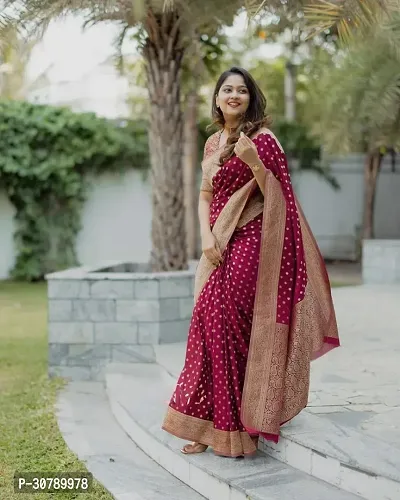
(34, 15)
(359, 98)
(340, 16)
(349, 18)
(46, 155)
(301, 146)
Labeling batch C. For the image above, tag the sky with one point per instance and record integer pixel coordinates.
(68, 53)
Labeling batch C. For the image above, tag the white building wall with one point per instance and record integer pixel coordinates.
(116, 219)
(387, 209)
(336, 216)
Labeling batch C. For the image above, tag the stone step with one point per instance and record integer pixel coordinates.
(338, 454)
(91, 432)
(342, 456)
(139, 396)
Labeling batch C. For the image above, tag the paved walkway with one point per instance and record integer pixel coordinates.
(356, 385)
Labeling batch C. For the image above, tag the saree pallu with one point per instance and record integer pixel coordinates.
(259, 318)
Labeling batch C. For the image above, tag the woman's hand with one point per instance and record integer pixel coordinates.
(211, 249)
(246, 150)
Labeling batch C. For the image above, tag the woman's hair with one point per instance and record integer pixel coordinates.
(254, 118)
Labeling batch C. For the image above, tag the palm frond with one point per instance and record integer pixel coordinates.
(348, 16)
(361, 97)
(33, 16)
(118, 44)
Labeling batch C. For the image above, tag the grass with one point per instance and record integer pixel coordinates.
(30, 440)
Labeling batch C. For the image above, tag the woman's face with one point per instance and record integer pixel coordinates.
(233, 98)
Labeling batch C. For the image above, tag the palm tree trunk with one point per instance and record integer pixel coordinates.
(190, 160)
(290, 91)
(163, 53)
(371, 170)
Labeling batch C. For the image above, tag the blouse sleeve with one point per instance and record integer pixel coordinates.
(205, 183)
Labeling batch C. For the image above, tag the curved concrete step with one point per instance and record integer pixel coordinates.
(91, 432)
(138, 395)
(338, 454)
(341, 456)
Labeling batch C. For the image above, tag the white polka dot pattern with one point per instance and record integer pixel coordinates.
(211, 383)
(293, 273)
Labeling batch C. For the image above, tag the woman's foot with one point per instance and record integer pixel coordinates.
(190, 449)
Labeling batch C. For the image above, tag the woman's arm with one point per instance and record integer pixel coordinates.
(209, 244)
(247, 151)
(260, 172)
(206, 193)
(205, 199)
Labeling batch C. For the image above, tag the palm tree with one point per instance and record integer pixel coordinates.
(295, 23)
(360, 105)
(167, 28)
(196, 71)
(287, 24)
(199, 64)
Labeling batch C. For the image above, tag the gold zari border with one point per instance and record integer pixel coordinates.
(262, 399)
(226, 443)
(280, 355)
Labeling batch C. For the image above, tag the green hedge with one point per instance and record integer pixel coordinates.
(45, 154)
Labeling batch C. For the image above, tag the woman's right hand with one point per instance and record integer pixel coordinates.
(211, 249)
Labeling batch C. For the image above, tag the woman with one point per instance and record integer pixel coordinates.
(263, 307)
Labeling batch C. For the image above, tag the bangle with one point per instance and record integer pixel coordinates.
(255, 167)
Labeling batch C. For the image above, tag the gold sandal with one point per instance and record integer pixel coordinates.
(191, 449)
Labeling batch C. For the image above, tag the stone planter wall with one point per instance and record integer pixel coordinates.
(114, 314)
(381, 261)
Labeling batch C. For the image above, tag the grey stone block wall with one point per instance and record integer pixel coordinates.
(381, 262)
(95, 318)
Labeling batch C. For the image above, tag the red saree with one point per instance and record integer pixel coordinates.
(260, 318)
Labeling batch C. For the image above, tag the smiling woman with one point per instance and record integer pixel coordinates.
(233, 99)
(263, 306)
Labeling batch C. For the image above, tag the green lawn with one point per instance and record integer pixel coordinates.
(29, 437)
